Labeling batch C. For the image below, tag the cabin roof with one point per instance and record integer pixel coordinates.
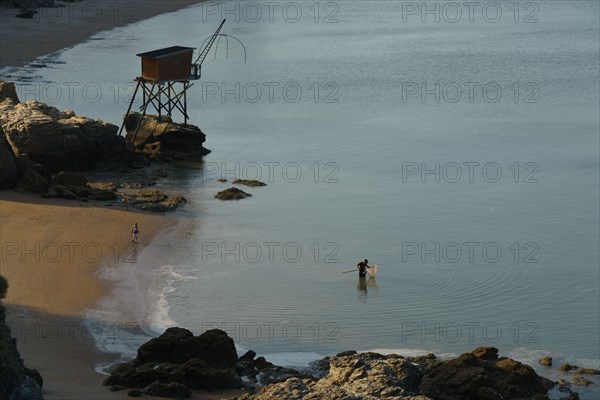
(167, 51)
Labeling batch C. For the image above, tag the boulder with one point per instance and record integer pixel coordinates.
(580, 381)
(588, 371)
(567, 367)
(32, 182)
(8, 91)
(479, 376)
(232, 194)
(162, 138)
(179, 345)
(249, 182)
(9, 174)
(172, 390)
(546, 361)
(46, 136)
(178, 361)
(71, 178)
(101, 195)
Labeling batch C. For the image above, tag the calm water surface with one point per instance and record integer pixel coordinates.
(499, 247)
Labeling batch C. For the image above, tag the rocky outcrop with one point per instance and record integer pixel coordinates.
(481, 374)
(545, 361)
(178, 361)
(161, 138)
(8, 91)
(9, 174)
(155, 200)
(249, 182)
(232, 194)
(261, 372)
(58, 140)
(17, 382)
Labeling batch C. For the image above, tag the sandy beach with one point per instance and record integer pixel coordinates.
(53, 29)
(51, 252)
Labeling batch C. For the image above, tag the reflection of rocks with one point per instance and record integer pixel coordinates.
(232, 194)
(161, 138)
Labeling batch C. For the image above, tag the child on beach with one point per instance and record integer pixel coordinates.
(135, 230)
(126, 202)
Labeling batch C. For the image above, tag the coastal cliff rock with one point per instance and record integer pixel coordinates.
(178, 361)
(481, 374)
(160, 137)
(17, 382)
(8, 91)
(9, 174)
(58, 140)
(350, 376)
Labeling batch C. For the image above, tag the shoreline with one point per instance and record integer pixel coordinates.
(53, 255)
(55, 29)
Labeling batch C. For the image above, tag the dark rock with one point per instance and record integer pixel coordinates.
(588, 371)
(580, 381)
(248, 356)
(196, 374)
(346, 353)
(179, 345)
(35, 375)
(71, 178)
(571, 396)
(222, 180)
(469, 376)
(567, 367)
(546, 361)
(32, 182)
(117, 388)
(232, 194)
(9, 174)
(26, 14)
(249, 182)
(486, 353)
(101, 195)
(161, 138)
(134, 393)
(171, 390)
(8, 91)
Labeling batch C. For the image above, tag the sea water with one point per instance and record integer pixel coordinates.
(455, 147)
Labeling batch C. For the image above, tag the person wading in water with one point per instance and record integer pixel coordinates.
(362, 268)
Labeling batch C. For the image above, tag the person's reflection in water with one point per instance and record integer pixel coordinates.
(362, 284)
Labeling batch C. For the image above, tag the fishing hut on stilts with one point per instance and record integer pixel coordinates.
(167, 74)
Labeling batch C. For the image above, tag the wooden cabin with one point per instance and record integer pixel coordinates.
(169, 64)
